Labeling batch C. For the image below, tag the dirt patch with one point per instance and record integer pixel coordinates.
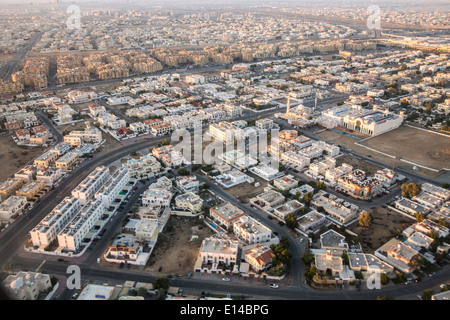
(245, 191)
(369, 168)
(173, 253)
(411, 147)
(404, 141)
(14, 157)
(386, 224)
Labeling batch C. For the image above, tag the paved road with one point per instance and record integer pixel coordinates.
(9, 67)
(13, 239)
(49, 124)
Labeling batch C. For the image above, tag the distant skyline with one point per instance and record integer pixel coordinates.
(199, 2)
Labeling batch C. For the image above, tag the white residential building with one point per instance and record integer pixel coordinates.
(251, 231)
(143, 168)
(14, 205)
(48, 229)
(439, 192)
(91, 135)
(188, 183)
(311, 221)
(87, 189)
(215, 251)
(49, 175)
(335, 208)
(26, 285)
(266, 172)
(111, 188)
(226, 214)
(159, 193)
(294, 160)
(189, 201)
(386, 176)
(72, 236)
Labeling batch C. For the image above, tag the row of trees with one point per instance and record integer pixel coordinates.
(280, 262)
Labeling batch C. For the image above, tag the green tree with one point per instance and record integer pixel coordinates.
(365, 219)
(416, 262)
(307, 198)
(310, 273)
(419, 217)
(321, 186)
(345, 259)
(142, 292)
(308, 257)
(410, 190)
(400, 277)
(427, 294)
(281, 252)
(384, 279)
(161, 283)
(183, 172)
(442, 222)
(291, 220)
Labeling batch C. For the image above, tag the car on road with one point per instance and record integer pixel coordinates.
(75, 295)
(442, 286)
(274, 286)
(226, 279)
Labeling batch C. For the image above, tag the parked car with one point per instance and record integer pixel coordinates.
(226, 279)
(274, 286)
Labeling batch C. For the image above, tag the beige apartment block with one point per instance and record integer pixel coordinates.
(9, 187)
(31, 189)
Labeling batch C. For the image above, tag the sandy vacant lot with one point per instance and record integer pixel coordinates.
(173, 253)
(419, 146)
(391, 144)
(385, 225)
(245, 191)
(14, 157)
(369, 168)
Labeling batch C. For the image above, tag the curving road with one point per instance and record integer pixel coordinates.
(13, 239)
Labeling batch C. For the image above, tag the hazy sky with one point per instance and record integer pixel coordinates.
(407, 3)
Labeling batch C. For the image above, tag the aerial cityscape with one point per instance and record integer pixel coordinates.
(225, 151)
